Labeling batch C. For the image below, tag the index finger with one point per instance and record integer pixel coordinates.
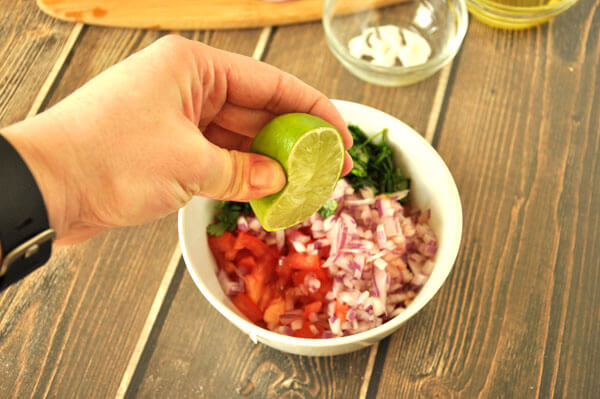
(257, 85)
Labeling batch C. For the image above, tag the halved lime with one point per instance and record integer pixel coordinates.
(311, 152)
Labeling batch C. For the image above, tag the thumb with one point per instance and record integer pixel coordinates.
(238, 176)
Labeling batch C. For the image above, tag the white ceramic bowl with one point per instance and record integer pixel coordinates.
(432, 187)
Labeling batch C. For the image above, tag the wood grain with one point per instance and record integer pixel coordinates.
(195, 14)
(194, 351)
(57, 68)
(520, 314)
(30, 42)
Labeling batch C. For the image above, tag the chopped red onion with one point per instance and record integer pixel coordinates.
(381, 237)
(336, 326)
(376, 256)
(419, 279)
(297, 324)
(242, 224)
(254, 225)
(298, 246)
(312, 283)
(366, 201)
(230, 287)
(379, 206)
(428, 267)
(380, 264)
(280, 239)
(290, 316)
(381, 284)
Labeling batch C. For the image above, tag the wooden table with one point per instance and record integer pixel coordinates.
(515, 117)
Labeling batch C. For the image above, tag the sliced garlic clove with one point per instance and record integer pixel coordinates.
(416, 51)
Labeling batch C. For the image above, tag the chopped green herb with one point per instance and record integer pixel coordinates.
(216, 229)
(328, 208)
(227, 216)
(374, 164)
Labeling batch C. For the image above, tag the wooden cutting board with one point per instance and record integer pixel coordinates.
(192, 14)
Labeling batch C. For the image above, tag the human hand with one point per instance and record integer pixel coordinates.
(172, 121)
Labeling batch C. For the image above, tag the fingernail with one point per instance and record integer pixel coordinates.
(265, 175)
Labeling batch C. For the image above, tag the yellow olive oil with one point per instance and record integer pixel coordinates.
(516, 14)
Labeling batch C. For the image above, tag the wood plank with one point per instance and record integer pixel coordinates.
(520, 314)
(52, 77)
(77, 319)
(194, 351)
(30, 43)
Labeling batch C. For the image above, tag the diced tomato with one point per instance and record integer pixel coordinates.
(225, 244)
(253, 244)
(299, 276)
(296, 235)
(247, 307)
(321, 292)
(307, 332)
(322, 274)
(302, 261)
(341, 309)
(313, 307)
(258, 279)
(275, 309)
(290, 298)
(229, 267)
(272, 278)
(274, 250)
(247, 261)
(324, 251)
(284, 272)
(268, 293)
(254, 288)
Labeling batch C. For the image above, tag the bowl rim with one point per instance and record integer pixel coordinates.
(434, 63)
(370, 336)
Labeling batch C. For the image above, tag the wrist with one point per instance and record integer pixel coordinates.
(43, 160)
(25, 232)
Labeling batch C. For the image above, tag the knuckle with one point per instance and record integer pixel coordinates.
(173, 44)
(171, 39)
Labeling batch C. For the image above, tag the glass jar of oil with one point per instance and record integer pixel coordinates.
(517, 14)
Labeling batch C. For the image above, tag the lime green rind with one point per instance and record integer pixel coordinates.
(301, 196)
(284, 211)
(295, 125)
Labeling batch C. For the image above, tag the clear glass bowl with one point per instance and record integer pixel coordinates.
(442, 23)
(517, 14)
